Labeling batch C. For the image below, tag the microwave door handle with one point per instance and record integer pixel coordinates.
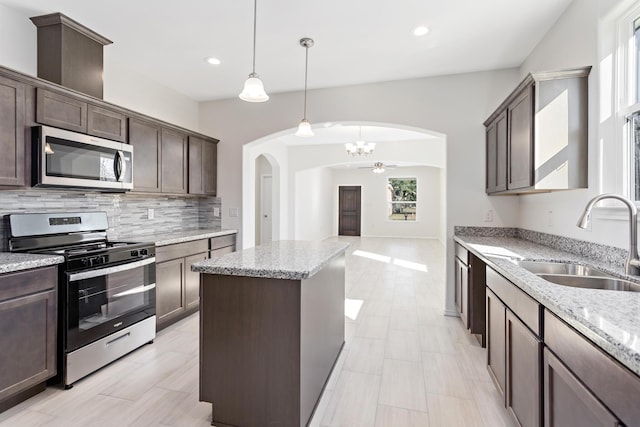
(90, 274)
(123, 166)
(118, 165)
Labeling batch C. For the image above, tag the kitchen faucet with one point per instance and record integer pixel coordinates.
(632, 265)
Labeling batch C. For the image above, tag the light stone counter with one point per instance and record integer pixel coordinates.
(610, 319)
(10, 262)
(285, 259)
(164, 239)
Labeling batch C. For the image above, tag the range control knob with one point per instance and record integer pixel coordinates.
(144, 252)
(134, 253)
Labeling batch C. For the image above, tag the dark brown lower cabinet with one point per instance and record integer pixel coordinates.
(28, 319)
(514, 348)
(169, 290)
(523, 357)
(192, 282)
(462, 291)
(496, 341)
(177, 287)
(567, 402)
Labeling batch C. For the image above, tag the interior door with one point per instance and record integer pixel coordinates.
(349, 211)
(266, 209)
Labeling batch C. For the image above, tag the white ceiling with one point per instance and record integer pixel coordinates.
(357, 41)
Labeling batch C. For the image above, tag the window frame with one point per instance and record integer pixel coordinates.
(416, 203)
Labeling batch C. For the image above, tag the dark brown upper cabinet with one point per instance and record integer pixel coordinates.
(497, 136)
(203, 159)
(536, 141)
(12, 132)
(61, 111)
(105, 123)
(145, 137)
(174, 161)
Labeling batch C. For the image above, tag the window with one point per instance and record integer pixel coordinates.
(402, 197)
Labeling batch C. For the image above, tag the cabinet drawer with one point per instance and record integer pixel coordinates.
(221, 251)
(462, 253)
(222, 241)
(28, 282)
(611, 382)
(181, 250)
(60, 111)
(527, 309)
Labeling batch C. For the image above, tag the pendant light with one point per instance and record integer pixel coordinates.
(253, 88)
(304, 128)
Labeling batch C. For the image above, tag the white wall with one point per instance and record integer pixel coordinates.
(313, 204)
(374, 205)
(455, 106)
(582, 36)
(122, 85)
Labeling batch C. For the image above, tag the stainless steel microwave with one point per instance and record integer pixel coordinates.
(69, 159)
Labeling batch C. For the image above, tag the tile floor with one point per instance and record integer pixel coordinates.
(404, 364)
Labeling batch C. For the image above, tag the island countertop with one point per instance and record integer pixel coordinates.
(284, 259)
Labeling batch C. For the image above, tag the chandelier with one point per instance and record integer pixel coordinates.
(360, 147)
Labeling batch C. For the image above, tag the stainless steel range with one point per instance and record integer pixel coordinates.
(106, 289)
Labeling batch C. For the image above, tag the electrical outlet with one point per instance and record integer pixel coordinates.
(216, 212)
(488, 216)
(150, 213)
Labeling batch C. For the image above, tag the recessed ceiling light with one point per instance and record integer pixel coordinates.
(420, 31)
(213, 61)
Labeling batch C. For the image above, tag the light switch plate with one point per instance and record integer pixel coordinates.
(234, 212)
(216, 212)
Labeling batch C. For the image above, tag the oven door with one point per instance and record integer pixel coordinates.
(102, 301)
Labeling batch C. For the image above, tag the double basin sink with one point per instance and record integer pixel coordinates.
(578, 276)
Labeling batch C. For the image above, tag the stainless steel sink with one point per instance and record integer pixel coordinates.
(591, 282)
(558, 268)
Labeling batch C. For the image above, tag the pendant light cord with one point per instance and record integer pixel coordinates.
(255, 18)
(306, 68)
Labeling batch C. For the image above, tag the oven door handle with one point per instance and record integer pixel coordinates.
(110, 270)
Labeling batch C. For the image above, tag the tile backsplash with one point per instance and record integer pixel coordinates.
(128, 213)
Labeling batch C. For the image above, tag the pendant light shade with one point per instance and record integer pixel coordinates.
(304, 128)
(253, 88)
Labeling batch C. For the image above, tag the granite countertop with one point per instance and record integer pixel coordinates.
(610, 319)
(10, 262)
(163, 239)
(285, 259)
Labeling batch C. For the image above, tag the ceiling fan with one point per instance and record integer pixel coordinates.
(378, 167)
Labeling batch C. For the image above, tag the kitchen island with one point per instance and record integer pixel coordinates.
(271, 330)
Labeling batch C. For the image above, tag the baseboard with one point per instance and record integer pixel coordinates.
(451, 313)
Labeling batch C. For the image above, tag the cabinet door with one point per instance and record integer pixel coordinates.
(195, 165)
(61, 111)
(12, 123)
(496, 164)
(174, 162)
(462, 284)
(169, 290)
(520, 147)
(107, 124)
(209, 167)
(496, 341)
(567, 402)
(28, 341)
(192, 281)
(524, 358)
(145, 139)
